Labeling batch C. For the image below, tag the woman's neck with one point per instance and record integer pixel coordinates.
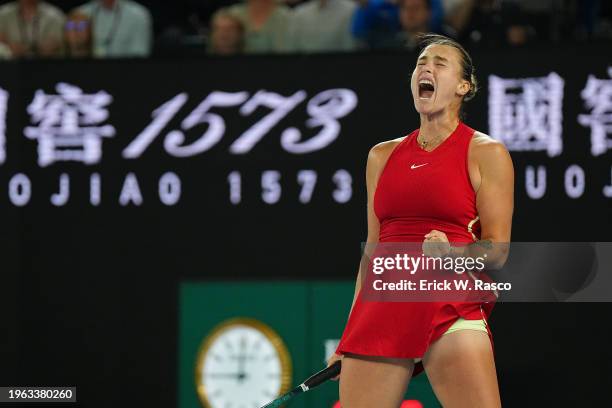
(439, 125)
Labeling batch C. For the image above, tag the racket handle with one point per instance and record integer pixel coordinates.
(323, 375)
(283, 398)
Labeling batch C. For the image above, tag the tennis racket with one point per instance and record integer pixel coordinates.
(312, 381)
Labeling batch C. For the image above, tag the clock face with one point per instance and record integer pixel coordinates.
(243, 364)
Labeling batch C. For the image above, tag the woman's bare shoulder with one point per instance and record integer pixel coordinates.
(487, 152)
(483, 144)
(380, 152)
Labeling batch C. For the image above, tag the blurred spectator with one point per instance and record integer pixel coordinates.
(266, 24)
(78, 35)
(591, 20)
(457, 13)
(603, 24)
(227, 34)
(121, 28)
(496, 23)
(377, 22)
(32, 28)
(415, 18)
(322, 25)
(519, 25)
(5, 52)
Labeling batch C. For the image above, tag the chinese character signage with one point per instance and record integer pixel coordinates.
(298, 135)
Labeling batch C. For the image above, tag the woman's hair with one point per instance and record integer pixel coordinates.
(428, 39)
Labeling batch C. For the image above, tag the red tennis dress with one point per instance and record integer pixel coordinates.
(418, 191)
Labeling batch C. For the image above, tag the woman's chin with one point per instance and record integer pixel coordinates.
(424, 108)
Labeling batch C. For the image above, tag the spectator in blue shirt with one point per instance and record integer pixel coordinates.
(377, 23)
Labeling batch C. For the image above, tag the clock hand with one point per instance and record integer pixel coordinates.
(242, 360)
(224, 375)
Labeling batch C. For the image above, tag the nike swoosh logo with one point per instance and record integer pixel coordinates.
(416, 167)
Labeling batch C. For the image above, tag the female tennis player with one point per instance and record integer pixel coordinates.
(443, 183)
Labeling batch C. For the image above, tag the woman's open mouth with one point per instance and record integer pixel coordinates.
(426, 89)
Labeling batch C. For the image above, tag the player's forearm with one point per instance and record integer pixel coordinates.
(494, 252)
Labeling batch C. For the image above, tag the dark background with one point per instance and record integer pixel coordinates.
(89, 294)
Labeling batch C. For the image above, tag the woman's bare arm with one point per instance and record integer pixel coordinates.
(492, 176)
